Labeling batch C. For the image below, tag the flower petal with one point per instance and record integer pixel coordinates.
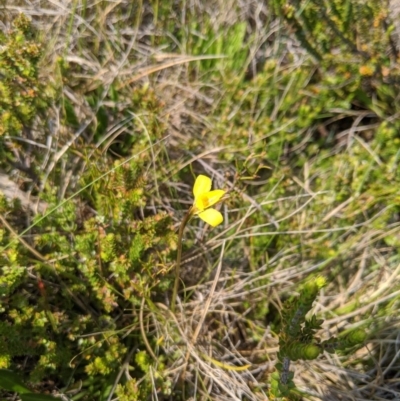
(201, 185)
(208, 199)
(214, 196)
(212, 217)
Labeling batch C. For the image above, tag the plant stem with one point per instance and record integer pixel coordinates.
(178, 258)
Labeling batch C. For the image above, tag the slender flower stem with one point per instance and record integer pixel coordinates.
(185, 220)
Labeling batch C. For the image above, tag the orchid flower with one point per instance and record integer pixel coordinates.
(204, 198)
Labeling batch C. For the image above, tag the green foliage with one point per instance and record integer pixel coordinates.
(128, 392)
(229, 46)
(99, 268)
(143, 361)
(297, 338)
(294, 313)
(21, 92)
(12, 382)
(132, 390)
(101, 265)
(323, 27)
(354, 338)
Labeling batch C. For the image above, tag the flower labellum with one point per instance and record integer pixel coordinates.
(204, 198)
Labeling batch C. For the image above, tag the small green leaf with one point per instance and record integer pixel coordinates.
(12, 382)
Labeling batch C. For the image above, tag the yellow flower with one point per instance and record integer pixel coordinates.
(204, 198)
